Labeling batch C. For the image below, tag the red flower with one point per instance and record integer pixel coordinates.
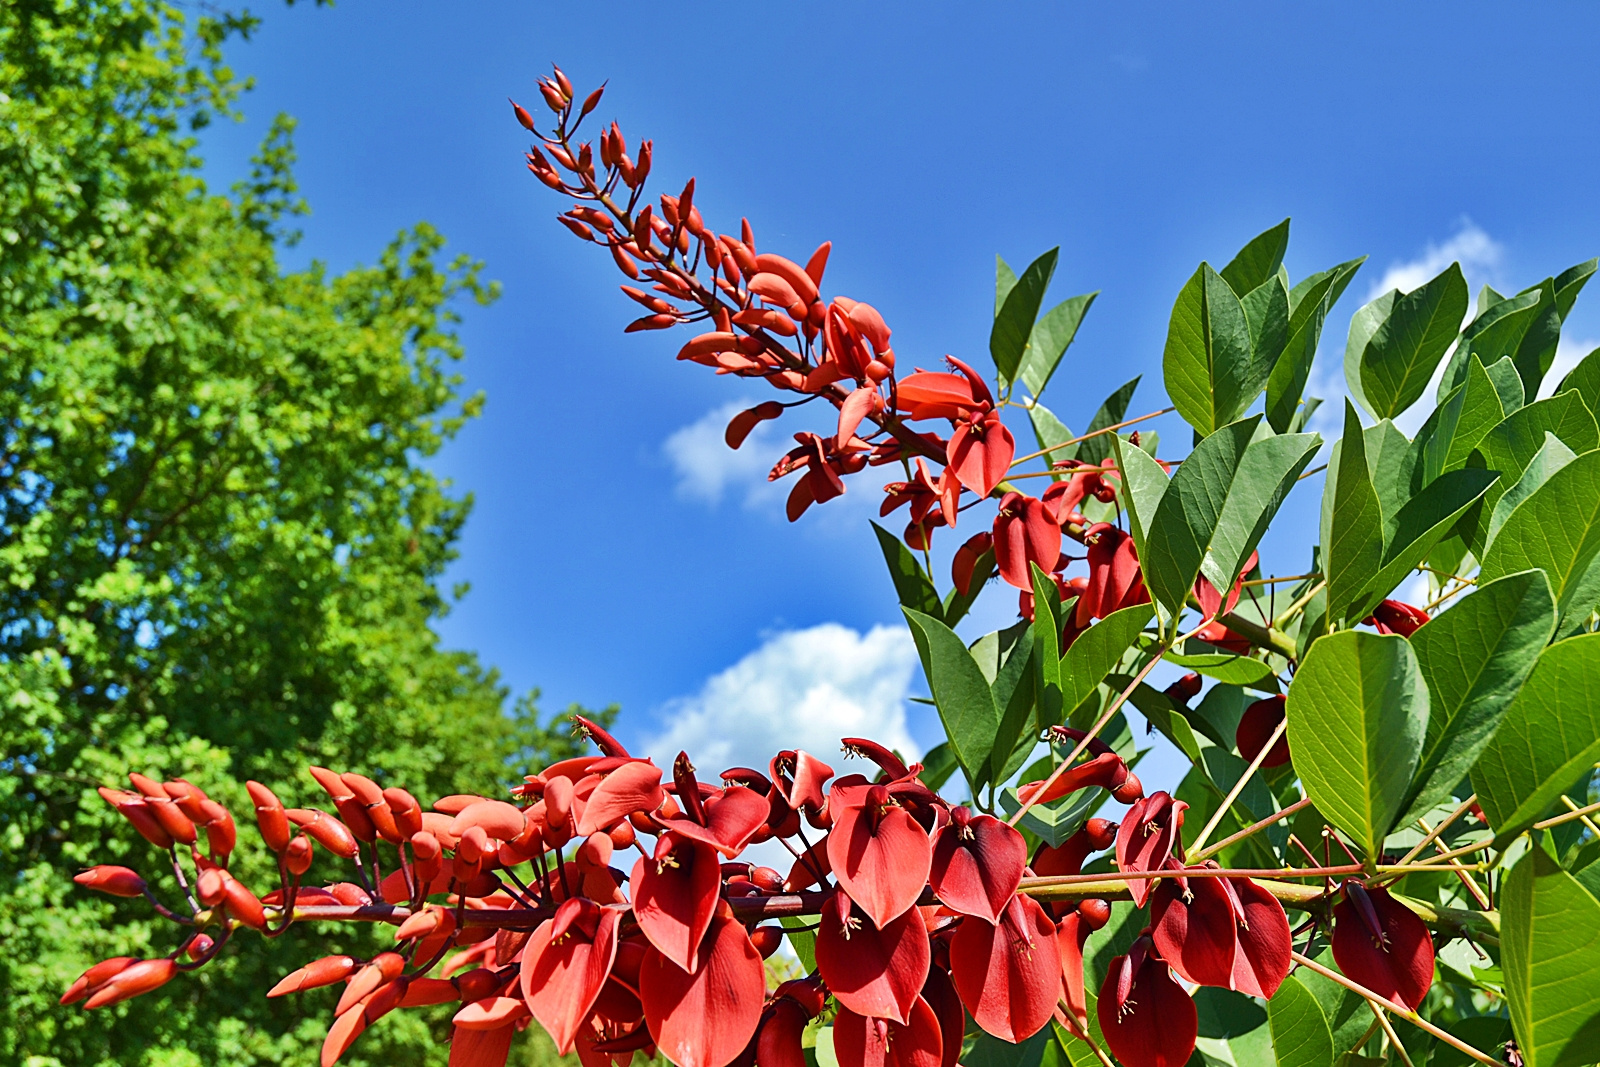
(675, 896)
(725, 819)
(1115, 581)
(859, 1041)
(118, 881)
(824, 460)
(1395, 617)
(1226, 932)
(1063, 498)
(1147, 839)
(977, 863)
(1147, 1018)
(1380, 943)
(1211, 602)
(878, 852)
(705, 1018)
(1008, 974)
(1214, 633)
(1072, 933)
(1256, 725)
(1024, 533)
(981, 449)
(940, 395)
(966, 559)
(870, 969)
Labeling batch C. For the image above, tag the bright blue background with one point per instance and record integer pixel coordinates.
(922, 139)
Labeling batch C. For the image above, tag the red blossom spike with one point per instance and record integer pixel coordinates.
(564, 965)
(1146, 1017)
(1380, 943)
(879, 854)
(675, 896)
(859, 1041)
(1008, 975)
(1150, 834)
(705, 1018)
(977, 864)
(872, 970)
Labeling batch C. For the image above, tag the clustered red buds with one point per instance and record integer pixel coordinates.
(523, 910)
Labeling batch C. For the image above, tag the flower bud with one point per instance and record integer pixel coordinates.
(117, 881)
(298, 856)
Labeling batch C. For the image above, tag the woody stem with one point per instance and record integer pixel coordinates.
(1238, 787)
(1399, 1009)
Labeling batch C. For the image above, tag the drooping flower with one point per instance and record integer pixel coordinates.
(977, 863)
(675, 896)
(1396, 617)
(1115, 581)
(1227, 932)
(861, 1041)
(1146, 1017)
(1256, 725)
(1149, 836)
(1212, 603)
(1380, 943)
(872, 970)
(1024, 533)
(878, 852)
(565, 964)
(705, 1018)
(1008, 974)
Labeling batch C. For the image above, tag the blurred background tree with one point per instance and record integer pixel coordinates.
(220, 547)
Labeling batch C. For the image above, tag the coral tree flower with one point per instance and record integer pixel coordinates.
(977, 864)
(878, 852)
(1147, 1018)
(1008, 974)
(1024, 533)
(705, 1018)
(1115, 581)
(1380, 943)
(1226, 932)
(1395, 617)
(1150, 834)
(872, 970)
(1256, 725)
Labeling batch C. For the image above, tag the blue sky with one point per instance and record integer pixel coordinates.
(617, 553)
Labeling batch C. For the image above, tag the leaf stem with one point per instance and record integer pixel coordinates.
(1399, 1009)
(1238, 787)
(1254, 828)
(1573, 812)
(1096, 433)
(1394, 1038)
(1466, 806)
(1298, 606)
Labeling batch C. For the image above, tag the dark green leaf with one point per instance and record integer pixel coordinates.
(1550, 953)
(1358, 713)
(1051, 337)
(1208, 364)
(960, 691)
(1389, 459)
(1459, 423)
(1114, 410)
(1047, 626)
(1097, 651)
(1570, 282)
(911, 582)
(1549, 459)
(1144, 483)
(1005, 279)
(1503, 373)
(1406, 348)
(1538, 348)
(1309, 304)
(1266, 308)
(803, 941)
(1163, 714)
(1259, 260)
(1492, 336)
(1352, 522)
(1014, 693)
(1511, 446)
(1474, 658)
(1548, 736)
(1363, 324)
(1556, 529)
(1233, 1028)
(1008, 340)
(1224, 667)
(1265, 474)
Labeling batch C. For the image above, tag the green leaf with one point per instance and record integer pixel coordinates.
(1390, 459)
(1300, 1033)
(1208, 363)
(1352, 522)
(1266, 473)
(1549, 459)
(1013, 325)
(1570, 282)
(1421, 524)
(1585, 378)
(1166, 716)
(1503, 372)
(938, 764)
(1050, 339)
(1405, 349)
(1493, 335)
(1460, 422)
(1550, 734)
(802, 940)
(1233, 1028)
(1144, 483)
(1538, 348)
(1047, 626)
(1474, 658)
(1114, 410)
(1097, 651)
(1005, 279)
(960, 692)
(1358, 712)
(1511, 446)
(1224, 667)
(1309, 304)
(1550, 953)
(1363, 324)
(1556, 529)
(957, 603)
(1266, 308)
(991, 1051)
(911, 582)
(1050, 432)
(1014, 693)
(1259, 260)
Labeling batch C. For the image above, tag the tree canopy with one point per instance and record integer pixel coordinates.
(220, 541)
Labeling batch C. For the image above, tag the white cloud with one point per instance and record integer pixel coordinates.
(707, 468)
(801, 689)
(1475, 250)
(1568, 353)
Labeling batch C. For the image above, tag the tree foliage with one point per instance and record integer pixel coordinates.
(220, 546)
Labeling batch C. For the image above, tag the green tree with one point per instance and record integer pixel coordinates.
(219, 547)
